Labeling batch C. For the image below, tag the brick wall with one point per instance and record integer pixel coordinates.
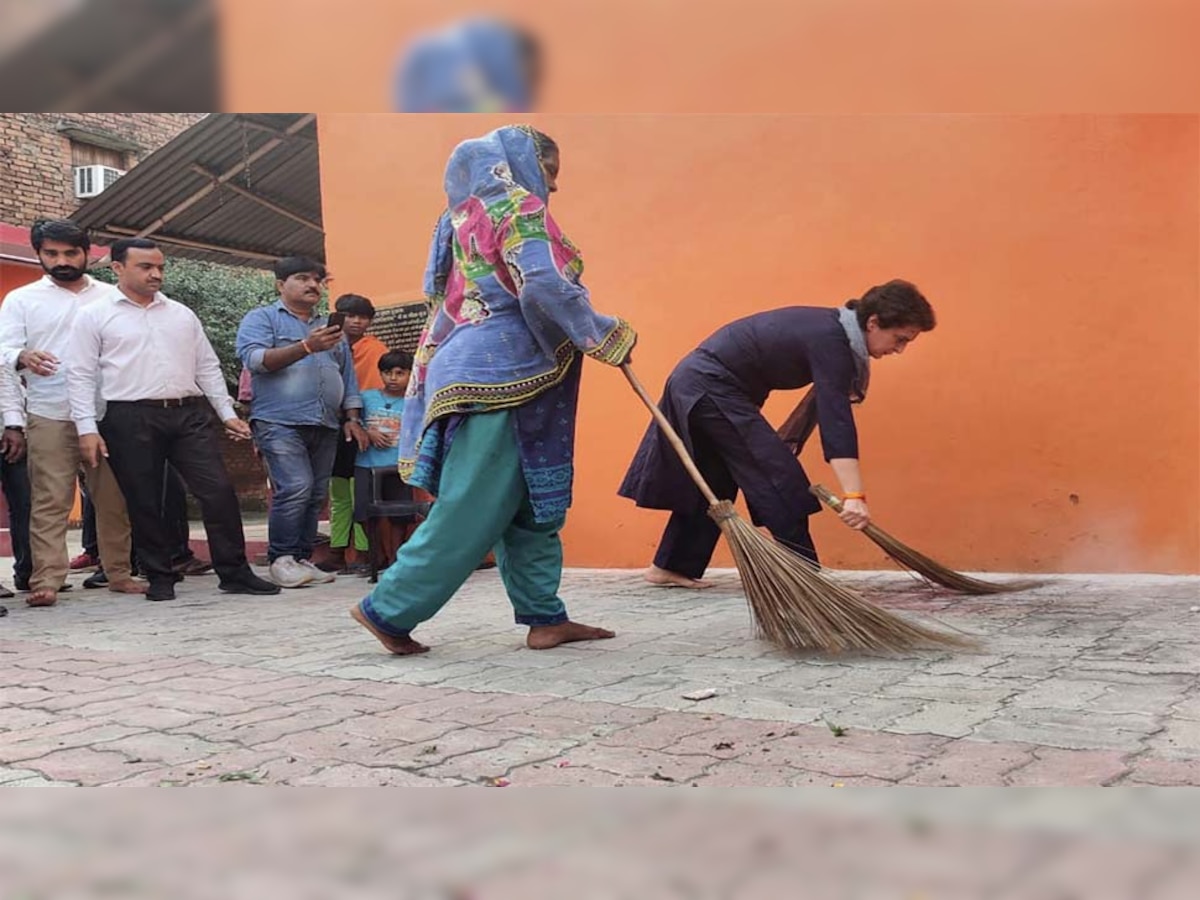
(35, 155)
(247, 472)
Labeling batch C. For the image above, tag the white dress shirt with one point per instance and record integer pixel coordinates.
(154, 352)
(12, 397)
(40, 316)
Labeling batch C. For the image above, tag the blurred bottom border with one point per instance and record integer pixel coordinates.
(244, 841)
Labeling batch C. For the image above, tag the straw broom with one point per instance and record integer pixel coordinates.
(792, 603)
(919, 562)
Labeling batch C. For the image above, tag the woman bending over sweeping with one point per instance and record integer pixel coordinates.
(714, 399)
(489, 420)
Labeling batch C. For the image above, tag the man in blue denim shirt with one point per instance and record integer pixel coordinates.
(303, 386)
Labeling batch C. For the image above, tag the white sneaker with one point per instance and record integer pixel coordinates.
(288, 573)
(319, 576)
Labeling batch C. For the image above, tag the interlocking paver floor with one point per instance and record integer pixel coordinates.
(1086, 680)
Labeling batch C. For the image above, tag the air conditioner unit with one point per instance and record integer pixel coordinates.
(92, 180)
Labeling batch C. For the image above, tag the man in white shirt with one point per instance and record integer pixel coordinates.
(158, 377)
(35, 328)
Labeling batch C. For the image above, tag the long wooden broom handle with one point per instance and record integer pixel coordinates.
(672, 435)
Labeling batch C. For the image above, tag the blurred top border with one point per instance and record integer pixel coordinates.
(616, 56)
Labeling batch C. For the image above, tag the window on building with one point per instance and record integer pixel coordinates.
(84, 154)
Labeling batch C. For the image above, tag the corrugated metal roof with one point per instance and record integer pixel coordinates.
(224, 225)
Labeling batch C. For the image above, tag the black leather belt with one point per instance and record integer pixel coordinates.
(170, 403)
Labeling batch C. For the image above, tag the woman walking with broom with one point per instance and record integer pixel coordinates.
(714, 397)
(489, 420)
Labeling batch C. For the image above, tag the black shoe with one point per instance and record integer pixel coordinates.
(22, 584)
(192, 565)
(249, 583)
(161, 590)
(98, 579)
(5, 592)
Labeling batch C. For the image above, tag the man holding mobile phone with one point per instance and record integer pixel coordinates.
(303, 387)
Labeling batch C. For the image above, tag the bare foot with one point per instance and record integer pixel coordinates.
(42, 597)
(129, 586)
(400, 646)
(543, 637)
(666, 578)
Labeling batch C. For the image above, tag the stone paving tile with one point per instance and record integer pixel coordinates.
(18, 718)
(1180, 739)
(1060, 693)
(269, 729)
(16, 695)
(575, 775)
(87, 765)
(946, 719)
(637, 762)
(397, 727)
(593, 713)
(351, 775)
(1188, 708)
(727, 739)
(329, 744)
(660, 732)
(222, 727)
(197, 702)
(1152, 699)
(1069, 729)
(35, 742)
(1051, 767)
(234, 766)
(8, 774)
(767, 704)
(732, 773)
(1165, 772)
(347, 705)
(1086, 680)
(155, 747)
(460, 742)
(515, 751)
(873, 713)
(971, 763)
(553, 727)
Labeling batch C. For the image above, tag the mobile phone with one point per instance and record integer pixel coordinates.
(337, 320)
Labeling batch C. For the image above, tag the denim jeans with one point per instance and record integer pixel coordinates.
(299, 460)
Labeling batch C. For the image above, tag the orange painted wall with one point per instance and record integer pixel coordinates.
(1050, 423)
(13, 275)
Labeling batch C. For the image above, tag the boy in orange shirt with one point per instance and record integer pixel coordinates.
(366, 350)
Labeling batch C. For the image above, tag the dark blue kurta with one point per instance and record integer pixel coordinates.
(729, 376)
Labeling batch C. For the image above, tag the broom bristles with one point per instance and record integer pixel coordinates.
(923, 565)
(797, 607)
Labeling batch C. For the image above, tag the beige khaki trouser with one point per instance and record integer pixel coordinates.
(54, 460)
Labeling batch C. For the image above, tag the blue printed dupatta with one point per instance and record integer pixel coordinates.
(508, 322)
